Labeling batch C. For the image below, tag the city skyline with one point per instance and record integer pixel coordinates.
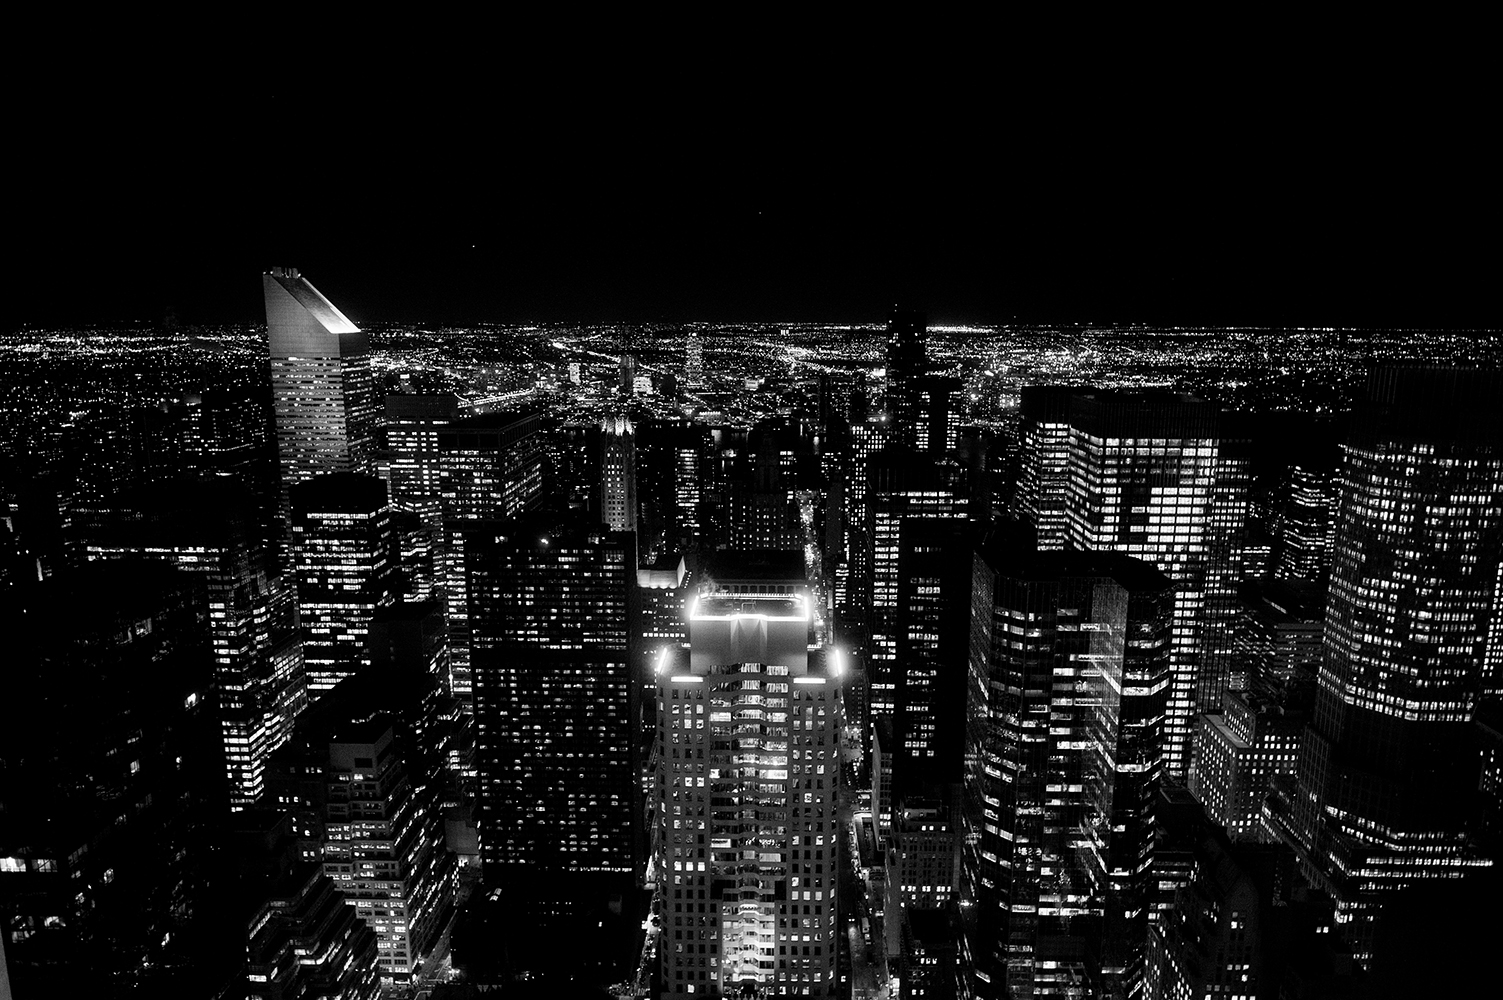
(962, 662)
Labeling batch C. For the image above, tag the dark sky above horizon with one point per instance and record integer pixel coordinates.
(982, 197)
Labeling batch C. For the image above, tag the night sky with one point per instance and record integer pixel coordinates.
(1257, 190)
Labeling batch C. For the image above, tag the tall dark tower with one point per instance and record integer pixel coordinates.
(1413, 644)
(554, 619)
(907, 344)
(321, 382)
(207, 531)
(907, 366)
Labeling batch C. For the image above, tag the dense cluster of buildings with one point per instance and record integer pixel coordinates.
(1124, 697)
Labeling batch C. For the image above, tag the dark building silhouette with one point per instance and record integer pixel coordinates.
(490, 467)
(209, 532)
(901, 486)
(555, 619)
(112, 782)
(931, 667)
(300, 939)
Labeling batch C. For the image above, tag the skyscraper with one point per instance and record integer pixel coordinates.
(412, 427)
(1070, 666)
(492, 466)
(207, 531)
(748, 773)
(321, 381)
(929, 676)
(346, 556)
(1044, 481)
(364, 810)
(618, 474)
(554, 617)
(1387, 773)
(913, 398)
(1141, 479)
(901, 486)
(1309, 524)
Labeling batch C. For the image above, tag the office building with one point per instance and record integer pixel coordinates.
(748, 774)
(356, 778)
(1065, 729)
(1388, 772)
(767, 487)
(1238, 754)
(901, 487)
(413, 456)
(1141, 480)
(929, 674)
(907, 343)
(555, 622)
(670, 462)
(300, 939)
(924, 861)
(208, 531)
(1308, 528)
(935, 405)
(618, 474)
(1044, 472)
(494, 466)
(347, 560)
(694, 356)
(868, 438)
(322, 386)
(1235, 925)
(491, 466)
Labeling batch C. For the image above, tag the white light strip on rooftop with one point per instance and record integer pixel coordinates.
(808, 680)
(686, 679)
(749, 614)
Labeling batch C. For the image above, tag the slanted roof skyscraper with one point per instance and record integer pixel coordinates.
(321, 382)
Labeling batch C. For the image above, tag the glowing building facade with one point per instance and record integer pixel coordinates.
(412, 427)
(347, 567)
(1070, 670)
(321, 382)
(1387, 774)
(1238, 754)
(1044, 478)
(618, 474)
(1309, 526)
(1141, 481)
(748, 771)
